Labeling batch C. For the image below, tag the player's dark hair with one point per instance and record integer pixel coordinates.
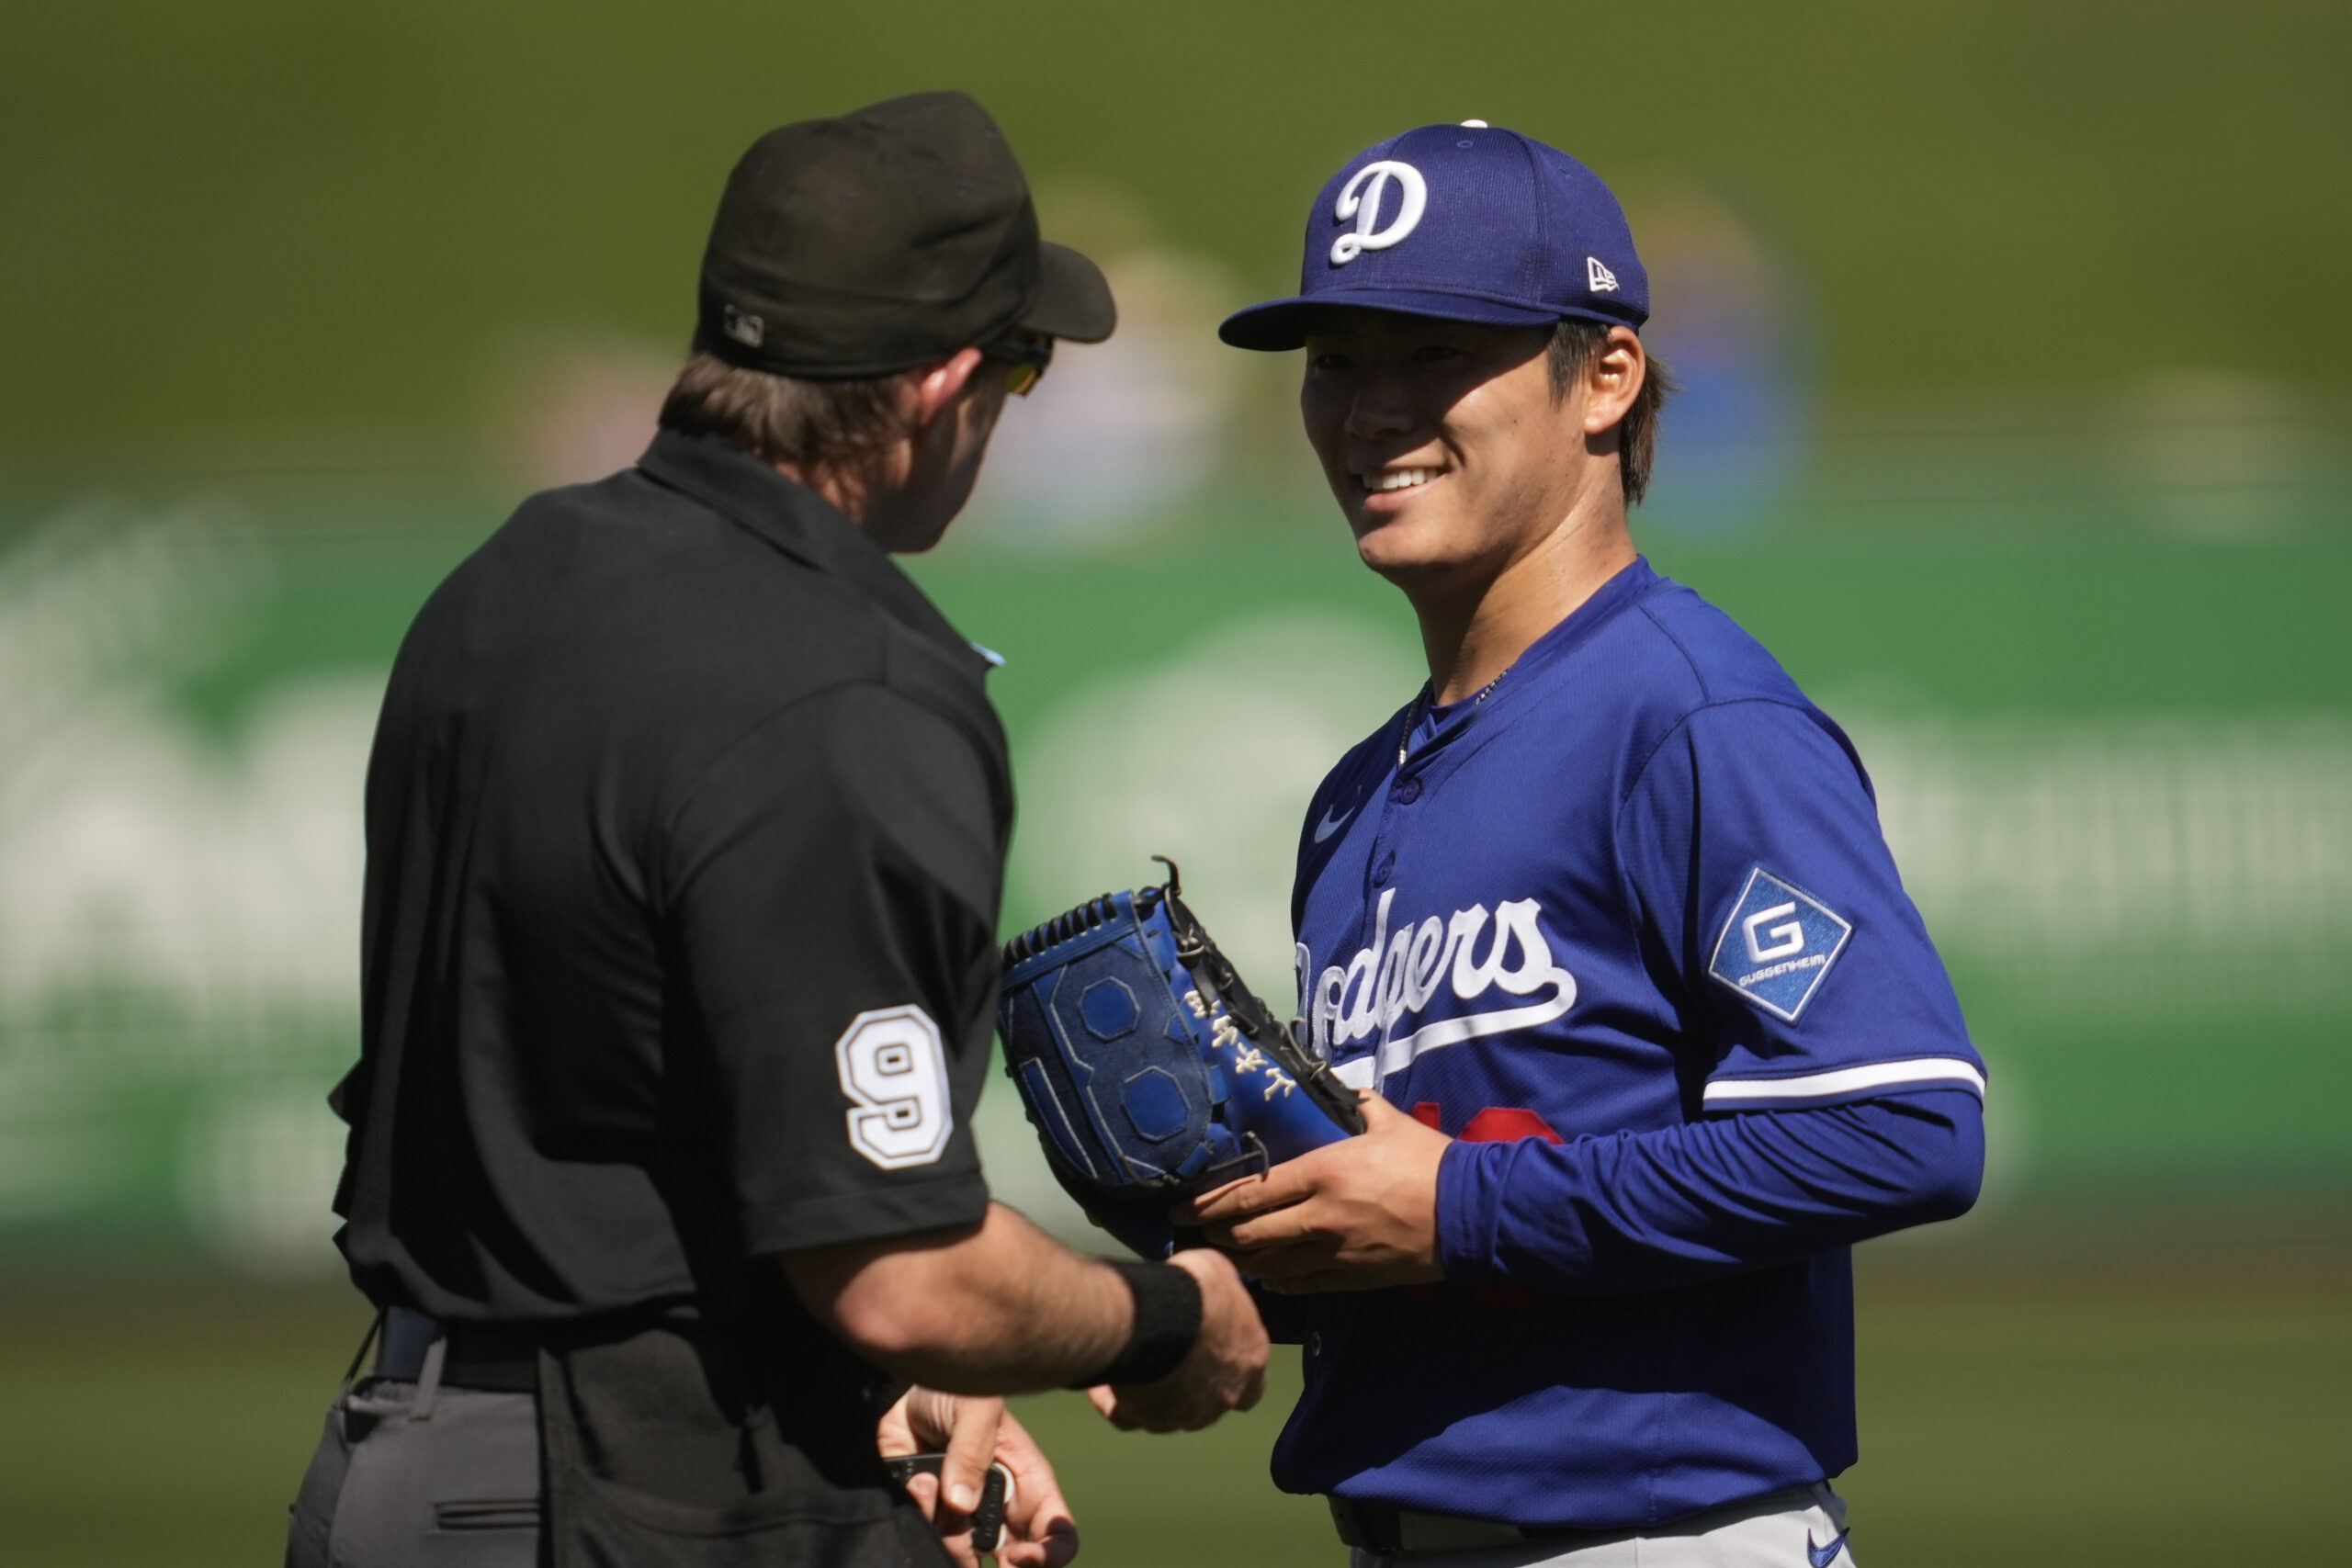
(784, 419)
(1576, 344)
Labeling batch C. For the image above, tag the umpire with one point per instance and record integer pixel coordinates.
(687, 823)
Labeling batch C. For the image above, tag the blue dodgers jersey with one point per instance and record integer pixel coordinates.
(1641, 882)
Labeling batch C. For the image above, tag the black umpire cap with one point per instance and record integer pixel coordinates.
(889, 236)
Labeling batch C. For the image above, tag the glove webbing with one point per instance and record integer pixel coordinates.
(1250, 1015)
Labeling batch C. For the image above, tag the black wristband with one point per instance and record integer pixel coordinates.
(1167, 1324)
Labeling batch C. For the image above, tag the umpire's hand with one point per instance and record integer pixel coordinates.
(1226, 1368)
(973, 1432)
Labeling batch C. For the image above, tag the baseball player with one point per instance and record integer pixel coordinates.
(686, 822)
(1603, 919)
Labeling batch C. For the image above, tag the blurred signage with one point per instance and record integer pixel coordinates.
(2146, 908)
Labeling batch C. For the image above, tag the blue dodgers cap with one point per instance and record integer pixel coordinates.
(1466, 222)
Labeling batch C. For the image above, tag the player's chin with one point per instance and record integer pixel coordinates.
(1406, 532)
(1415, 555)
(1390, 540)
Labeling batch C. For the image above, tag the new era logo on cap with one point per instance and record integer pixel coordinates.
(1465, 222)
(745, 328)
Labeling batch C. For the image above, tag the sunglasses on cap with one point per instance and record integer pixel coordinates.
(1028, 354)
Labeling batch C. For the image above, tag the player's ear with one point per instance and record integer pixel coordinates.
(1614, 380)
(937, 387)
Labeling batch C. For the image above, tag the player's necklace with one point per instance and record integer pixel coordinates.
(1426, 700)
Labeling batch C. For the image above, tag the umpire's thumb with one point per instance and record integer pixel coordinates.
(971, 1448)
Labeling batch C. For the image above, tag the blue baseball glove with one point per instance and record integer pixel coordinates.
(1149, 1069)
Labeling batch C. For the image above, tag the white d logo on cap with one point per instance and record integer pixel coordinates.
(1360, 200)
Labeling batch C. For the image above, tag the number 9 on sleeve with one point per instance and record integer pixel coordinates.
(895, 1072)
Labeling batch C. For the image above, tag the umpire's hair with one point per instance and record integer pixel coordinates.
(1575, 344)
(784, 419)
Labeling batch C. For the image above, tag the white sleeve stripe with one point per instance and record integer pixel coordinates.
(1847, 1080)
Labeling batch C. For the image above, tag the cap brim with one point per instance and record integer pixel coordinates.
(1279, 324)
(1073, 298)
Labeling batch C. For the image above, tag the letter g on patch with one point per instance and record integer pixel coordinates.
(1777, 944)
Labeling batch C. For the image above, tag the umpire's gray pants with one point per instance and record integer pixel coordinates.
(416, 1476)
(1802, 1527)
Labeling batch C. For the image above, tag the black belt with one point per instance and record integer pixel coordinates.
(1385, 1531)
(488, 1356)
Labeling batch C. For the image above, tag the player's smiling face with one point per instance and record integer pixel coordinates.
(1443, 443)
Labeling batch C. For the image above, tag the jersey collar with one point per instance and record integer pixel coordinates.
(1468, 726)
(801, 524)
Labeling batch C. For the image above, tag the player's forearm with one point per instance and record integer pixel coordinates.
(996, 1308)
(1602, 1216)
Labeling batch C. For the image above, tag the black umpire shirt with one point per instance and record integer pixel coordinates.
(686, 822)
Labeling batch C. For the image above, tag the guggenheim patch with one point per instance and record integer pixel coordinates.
(1778, 944)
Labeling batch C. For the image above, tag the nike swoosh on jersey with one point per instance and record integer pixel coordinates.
(1823, 1556)
(1330, 824)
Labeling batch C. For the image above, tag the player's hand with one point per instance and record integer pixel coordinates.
(973, 1433)
(1225, 1370)
(1359, 1215)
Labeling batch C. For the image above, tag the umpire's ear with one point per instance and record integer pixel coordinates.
(933, 390)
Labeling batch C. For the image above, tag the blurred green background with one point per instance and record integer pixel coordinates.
(2019, 423)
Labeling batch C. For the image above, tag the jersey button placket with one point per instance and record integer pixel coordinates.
(1404, 792)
